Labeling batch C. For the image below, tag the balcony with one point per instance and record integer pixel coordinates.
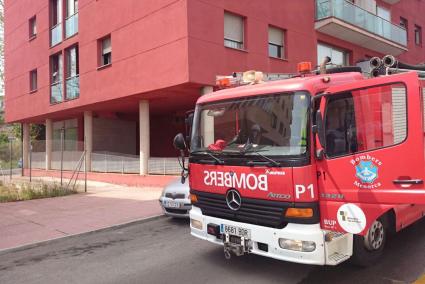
(73, 88)
(56, 93)
(344, 20)
(56, 34)
(71, 26)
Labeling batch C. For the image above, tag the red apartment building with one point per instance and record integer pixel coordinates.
(122, 74)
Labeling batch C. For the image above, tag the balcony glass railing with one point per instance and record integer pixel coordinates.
(72, 87)
(56, 34)
(56, 93)
(352, 14)
(71, 25)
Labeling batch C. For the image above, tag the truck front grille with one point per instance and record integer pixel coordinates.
(253, 211)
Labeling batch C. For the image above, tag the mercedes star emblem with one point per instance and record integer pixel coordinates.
(233, 199)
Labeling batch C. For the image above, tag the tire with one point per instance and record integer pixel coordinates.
(369, 248)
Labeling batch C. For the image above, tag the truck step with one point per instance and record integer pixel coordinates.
(339, 248)
(337, 258)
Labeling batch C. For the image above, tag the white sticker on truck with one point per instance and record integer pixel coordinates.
(351, 218)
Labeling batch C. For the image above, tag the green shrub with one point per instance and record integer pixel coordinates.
(27, 191)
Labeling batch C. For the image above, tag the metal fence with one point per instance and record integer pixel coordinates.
(10, 158)
(101, 161)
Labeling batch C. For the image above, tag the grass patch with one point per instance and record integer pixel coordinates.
(27, 191)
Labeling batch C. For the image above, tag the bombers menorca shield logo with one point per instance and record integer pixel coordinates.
(366, 171)
(233, 199)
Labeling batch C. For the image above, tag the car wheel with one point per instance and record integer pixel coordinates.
(368, 249)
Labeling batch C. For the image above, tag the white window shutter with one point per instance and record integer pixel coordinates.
(233, 27)
(276, 36)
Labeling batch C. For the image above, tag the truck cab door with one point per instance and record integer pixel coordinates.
(371, 151)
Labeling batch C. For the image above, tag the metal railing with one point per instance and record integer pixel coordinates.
(110, 162)
(71, 25)
(352, 14)
(72, 87)
(56, 92)
(56, 34)
(101, 161)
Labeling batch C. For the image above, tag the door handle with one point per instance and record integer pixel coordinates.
(408, 181)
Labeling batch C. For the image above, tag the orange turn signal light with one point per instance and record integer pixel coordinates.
(193, 198)
(224, 82)
(304, 67)
(299, 213)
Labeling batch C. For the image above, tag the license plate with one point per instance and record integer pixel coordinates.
(235, 231)
(171, 204)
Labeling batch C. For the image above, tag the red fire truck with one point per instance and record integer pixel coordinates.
(314, 169)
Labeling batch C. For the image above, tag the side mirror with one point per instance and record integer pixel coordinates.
(179, 142)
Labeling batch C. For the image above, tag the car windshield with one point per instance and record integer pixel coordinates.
(275, 125)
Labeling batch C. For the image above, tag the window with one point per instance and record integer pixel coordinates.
(55, 22)
(405, 24)
(71, 22)
(56, 89)
(105, 51)
(71, 7)
(72, 65)
(32, 27)
(56, 12)
(33, 80)
(418, 35)
(276, 42)
(365, 120)
(338, 56)
(233, 31)
(72, 72)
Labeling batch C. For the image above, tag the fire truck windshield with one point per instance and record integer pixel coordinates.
(275, 125)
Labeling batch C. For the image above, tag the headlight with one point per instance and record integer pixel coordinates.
(297, 245)
(196, 224)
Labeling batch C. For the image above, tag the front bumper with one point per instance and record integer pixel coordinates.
(270, 236)
(181, 212)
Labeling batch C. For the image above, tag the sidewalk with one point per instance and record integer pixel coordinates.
(104, 205)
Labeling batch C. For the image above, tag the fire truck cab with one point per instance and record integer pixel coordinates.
(314, 169)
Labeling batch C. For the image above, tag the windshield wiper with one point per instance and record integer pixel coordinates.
(208, 152)
(250, 149)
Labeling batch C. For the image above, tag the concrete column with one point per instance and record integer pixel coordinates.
(25, 145)
(144, 133)
(49, 143)
(207, 122)
(88, 137)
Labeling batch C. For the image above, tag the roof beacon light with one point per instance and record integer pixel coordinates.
(304, 67)
(252, 77)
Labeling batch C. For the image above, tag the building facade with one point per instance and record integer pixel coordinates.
(120, 75)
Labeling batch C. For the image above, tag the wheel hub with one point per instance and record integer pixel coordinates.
(374, 238)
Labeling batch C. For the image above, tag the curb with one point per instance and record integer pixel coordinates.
(45, 242)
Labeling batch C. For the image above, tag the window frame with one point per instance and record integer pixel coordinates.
(32, 72)
(243, 42)
(327, 96)
(101, 55)
(418, 35)
(32, 24)
(346, 53)
(405, 24)
(61, 80)
(282, 47)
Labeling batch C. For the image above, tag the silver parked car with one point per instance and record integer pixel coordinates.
(175, 199)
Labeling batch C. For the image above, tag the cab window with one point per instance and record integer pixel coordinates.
(364, 120)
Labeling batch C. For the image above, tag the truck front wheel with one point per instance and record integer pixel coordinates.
(368, 249)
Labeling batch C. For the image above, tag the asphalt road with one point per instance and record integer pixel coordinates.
(162, 251)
